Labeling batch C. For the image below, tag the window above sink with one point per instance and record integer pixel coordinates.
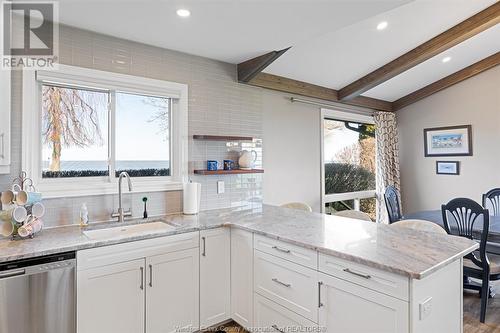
(83, 127)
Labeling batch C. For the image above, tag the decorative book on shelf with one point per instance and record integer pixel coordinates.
(222, 138)
(227, 172)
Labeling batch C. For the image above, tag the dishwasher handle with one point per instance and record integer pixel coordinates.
(9, 274)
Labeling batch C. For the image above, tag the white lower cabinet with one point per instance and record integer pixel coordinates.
(111, 298)
(172, 293)
(242, 277)
(350, 308)
(215, 276)
(272, 317)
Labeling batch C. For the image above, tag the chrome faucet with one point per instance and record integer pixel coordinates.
(121, 213)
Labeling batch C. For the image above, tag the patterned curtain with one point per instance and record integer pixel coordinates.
(387, 159)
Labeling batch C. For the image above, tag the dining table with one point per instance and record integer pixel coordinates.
(436, 216)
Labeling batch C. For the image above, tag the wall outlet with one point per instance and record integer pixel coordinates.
(425, 308)
(220, 187)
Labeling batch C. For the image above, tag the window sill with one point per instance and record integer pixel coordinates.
(75, 188)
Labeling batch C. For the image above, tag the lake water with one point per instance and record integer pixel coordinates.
(103, 165)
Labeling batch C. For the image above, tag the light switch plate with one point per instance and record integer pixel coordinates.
(220, 187)
(425, 308)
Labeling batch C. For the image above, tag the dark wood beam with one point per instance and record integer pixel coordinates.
(249, 69)
(448, 81)
(457, 34)
(279, 83)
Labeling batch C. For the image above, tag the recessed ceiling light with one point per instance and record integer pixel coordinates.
(183, 12)
(382, 25)
(446, 59)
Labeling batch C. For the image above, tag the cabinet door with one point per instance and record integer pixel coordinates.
(350, 308)
(242, 277)
(5, 111)
(172, 292)
(215, 261)
(111, 298)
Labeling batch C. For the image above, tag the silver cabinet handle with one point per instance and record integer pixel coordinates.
(142, 278)
(277, 328)
(151, 275)
(2, 153)
(204, 249)
(281, 250)
(288, 285)
(319, 294)
(12, 273)
(347, 270)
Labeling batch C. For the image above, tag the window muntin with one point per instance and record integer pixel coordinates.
(74, 132)
(143, 125)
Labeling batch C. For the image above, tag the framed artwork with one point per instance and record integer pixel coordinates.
(447, 167)
(448, 141)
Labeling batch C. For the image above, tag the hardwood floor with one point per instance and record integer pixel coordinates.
(471, 315)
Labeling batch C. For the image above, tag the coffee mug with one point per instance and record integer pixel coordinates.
(9, 196)
(228, 165)
(212, 165)
(38, 210)
(28, 198)
(31, 227)
(16, 214)
(6, 228)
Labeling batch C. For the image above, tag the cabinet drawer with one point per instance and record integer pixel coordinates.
(296, 254)
(381, 281)
(273, 318)
(290, 285)
(106, 255)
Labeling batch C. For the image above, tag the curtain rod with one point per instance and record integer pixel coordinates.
(338, 106)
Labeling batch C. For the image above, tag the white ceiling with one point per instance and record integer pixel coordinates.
(334, 42)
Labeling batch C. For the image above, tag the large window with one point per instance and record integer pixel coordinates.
(93, 125)
(349, 163)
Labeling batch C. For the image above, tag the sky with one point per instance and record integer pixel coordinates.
(336, 140)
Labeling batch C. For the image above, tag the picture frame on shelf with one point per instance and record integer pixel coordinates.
(448, 168)
(448, 141)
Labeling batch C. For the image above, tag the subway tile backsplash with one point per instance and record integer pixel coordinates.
(218, 105)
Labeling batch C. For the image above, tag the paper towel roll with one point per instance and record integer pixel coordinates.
(192, 198)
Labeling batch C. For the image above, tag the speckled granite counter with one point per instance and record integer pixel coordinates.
(403, 251)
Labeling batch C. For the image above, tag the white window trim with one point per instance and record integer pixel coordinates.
(70, 187)
(346, 116)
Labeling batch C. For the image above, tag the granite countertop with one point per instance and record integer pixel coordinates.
(403, 251)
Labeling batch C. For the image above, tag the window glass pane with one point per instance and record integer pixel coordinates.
(74, 132)
(142, 135)
(349, 151)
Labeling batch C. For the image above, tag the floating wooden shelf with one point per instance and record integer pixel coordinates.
(222, 138)
(227, 172)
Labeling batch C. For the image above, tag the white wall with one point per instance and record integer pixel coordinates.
(475, 101)
(291, 142)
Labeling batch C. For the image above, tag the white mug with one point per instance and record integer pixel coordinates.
(6, 228)
(16, 214)
(38, 210)
(9, 196)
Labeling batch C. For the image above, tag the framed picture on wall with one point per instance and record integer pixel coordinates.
(447, 167)
(448, 141)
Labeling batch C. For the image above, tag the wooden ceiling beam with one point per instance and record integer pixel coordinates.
(442, 42)
(283, 84)
(448, 81)
(249, 69)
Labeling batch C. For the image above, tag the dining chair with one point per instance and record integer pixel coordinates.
(353, 214)
(392, 202)
(491, 201)
(298, 205)
(421, 225)
(460, 216)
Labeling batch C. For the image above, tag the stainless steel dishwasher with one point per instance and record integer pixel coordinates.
(37, 295)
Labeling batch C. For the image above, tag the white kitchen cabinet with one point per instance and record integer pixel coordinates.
(5, 121)
(346, 307)
(242, 277)
(111, 298)
(215, 261)
(172, 293)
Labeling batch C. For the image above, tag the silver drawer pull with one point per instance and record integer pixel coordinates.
(347, 270)
(281, 250)
(288, 285)
(12, 274)
(277, 328)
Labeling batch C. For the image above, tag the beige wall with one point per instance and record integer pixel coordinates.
(292, 151)
(475, 101)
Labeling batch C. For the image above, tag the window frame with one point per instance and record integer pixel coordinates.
(112, 82)
(357, 195)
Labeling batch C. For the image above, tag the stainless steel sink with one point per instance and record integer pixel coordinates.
(128, 230)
